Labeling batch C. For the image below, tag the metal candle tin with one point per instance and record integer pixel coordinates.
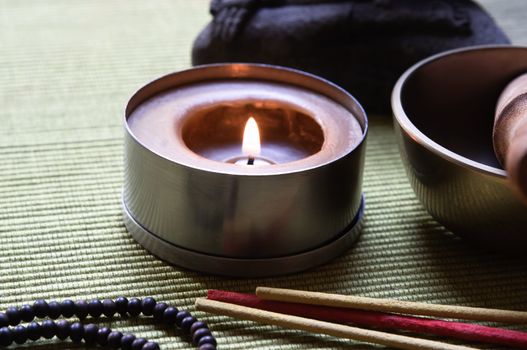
(444, 112)
(196, 215)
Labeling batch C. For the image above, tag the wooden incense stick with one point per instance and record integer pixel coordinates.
(315, 326)
(389, 305)
(378, 320)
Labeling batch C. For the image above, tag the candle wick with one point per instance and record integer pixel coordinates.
(250, 161)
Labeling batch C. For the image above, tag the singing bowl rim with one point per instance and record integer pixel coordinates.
(412, 131)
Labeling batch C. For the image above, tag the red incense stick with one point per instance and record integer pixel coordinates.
(459, 330)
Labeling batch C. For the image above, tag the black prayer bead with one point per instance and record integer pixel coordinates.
(48, 329)
(134, 306)
(54, 310)
(19, 334)
(81, 309)
(6, 336)
(159, 309)
(208, 339)
(126, 341)
(114, 339)
(180, 316)
(169, 315)
(13, 315)
(34, 331)
(197, 325)
(121, 304)
(67, 308)
(207, 346)
(26, 313)
(90, 333)
(95, 308)
(76, 332)
(4, 321)
(138, 343)
(108, 308)
(41, 308)
(62, 329)
(187, 323)
(147, 306)
(150, 346)
(200, 333)
(102, 336)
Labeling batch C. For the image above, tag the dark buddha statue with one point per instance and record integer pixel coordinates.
(362, 45)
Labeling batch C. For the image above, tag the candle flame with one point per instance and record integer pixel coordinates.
(251, 139)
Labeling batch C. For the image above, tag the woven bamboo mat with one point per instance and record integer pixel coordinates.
(67, 69)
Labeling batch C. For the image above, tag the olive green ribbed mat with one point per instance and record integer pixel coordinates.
(67, 69)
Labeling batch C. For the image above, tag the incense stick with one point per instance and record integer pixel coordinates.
(388, 305)
(378, 320)
(315, 326)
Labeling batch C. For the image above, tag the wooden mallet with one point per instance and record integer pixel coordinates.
(510, 133)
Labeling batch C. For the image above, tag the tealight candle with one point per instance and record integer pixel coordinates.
(244, 170)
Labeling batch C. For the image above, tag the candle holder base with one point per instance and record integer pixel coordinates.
(240, 267)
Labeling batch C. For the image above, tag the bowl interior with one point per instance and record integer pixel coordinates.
(451, 99)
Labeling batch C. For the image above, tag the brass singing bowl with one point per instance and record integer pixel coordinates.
(443, 114)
